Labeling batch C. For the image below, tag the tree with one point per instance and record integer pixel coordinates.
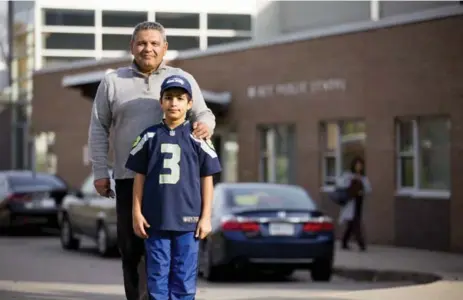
(4, 49)
(4, 31)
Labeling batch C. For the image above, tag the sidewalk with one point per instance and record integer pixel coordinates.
(449, 266)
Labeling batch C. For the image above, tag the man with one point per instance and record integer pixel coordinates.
(127, 102)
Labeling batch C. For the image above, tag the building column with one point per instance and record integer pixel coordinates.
(248, 155)
(379, 208)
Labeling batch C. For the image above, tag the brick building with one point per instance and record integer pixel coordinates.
(296, 109)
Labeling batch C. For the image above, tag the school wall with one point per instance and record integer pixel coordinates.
(66, 112)
(409, 70)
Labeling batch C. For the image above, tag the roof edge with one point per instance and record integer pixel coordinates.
(74, 80)
(426, 15)
(84, 78)
(363, 26)
(81, 64)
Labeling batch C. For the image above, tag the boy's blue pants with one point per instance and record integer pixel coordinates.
(171, 265)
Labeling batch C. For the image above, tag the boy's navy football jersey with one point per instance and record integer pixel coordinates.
(173, 162)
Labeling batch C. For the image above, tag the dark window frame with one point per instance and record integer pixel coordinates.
(76, 46)
(167, 22)
(106, 19)
(105, 45)
(61, 14)
(214, 22)
(172, 45)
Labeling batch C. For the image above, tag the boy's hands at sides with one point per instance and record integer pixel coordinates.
(139, 225)
(203, 228)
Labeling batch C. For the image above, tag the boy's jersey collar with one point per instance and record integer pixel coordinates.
(180, 127)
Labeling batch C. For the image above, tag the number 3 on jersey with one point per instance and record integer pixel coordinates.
(172, 163)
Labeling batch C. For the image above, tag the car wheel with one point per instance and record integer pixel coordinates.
(68, 241)
(105, 249)
(322, 270)
(207, 269)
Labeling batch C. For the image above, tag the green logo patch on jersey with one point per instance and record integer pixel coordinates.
(136, 141)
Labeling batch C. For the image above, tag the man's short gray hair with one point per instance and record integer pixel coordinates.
(147, 25)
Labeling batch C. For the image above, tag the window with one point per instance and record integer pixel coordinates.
(183, 42)
(178, 20)
(341, 142)
(123, 18)
(45, 159)
(116, 42)
(230, 157)
(73, 41)
(423, 154)
(277, 149)
(215, 40)
(226, 21)
(69, 17)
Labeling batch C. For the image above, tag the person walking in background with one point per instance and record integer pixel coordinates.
(358, 186)
(126, 103)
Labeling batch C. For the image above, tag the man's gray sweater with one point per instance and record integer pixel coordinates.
(126, 103)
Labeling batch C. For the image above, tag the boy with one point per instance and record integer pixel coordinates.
(172, 194)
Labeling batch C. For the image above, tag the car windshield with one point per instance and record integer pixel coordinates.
(19, 181)
(271, 197)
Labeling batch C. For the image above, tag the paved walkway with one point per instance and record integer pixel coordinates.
(377, 258)
(447, 265)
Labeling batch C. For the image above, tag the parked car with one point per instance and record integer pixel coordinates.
(267, 226)
(85, 214)
(30, 198)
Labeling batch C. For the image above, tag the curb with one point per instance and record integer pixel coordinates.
(385, 275)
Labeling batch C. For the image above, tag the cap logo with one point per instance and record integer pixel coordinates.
(178, 80)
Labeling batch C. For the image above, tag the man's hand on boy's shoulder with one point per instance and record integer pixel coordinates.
(203, 228)
(201, 130)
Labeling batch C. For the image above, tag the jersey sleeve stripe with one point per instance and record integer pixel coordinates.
(143, 140)
(205, 147)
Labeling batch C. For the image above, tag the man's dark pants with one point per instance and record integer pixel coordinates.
(131, 247)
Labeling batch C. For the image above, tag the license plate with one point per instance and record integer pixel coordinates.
(44, 203)
(284, 229)
(48, 203)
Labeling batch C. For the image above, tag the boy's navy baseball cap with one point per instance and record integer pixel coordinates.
(176, 81)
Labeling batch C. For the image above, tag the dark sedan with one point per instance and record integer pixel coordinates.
(29, 198)
(267, 226)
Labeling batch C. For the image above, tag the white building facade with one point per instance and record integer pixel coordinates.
(48, 33)
(275, 18)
